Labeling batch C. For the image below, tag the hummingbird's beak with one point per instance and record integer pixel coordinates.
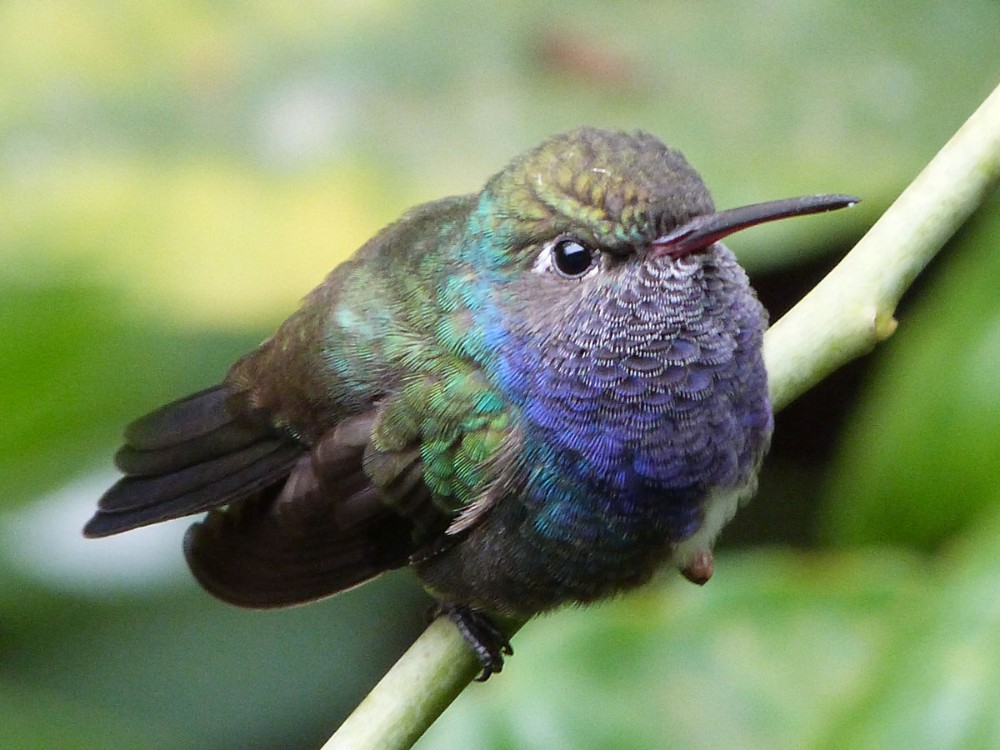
(703, 231)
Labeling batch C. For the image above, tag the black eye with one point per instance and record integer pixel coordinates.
(572, 258)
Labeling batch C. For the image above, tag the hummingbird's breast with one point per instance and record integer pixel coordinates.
(655, 380)
(640, 399)
(647, 394)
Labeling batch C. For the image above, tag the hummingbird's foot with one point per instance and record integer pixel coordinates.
(482, 634)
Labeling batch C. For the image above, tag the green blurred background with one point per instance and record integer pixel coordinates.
(173, 177)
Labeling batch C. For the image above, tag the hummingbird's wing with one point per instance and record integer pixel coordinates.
(379, 489)
(289, 522)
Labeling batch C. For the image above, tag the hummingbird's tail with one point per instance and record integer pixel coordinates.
(317, 536)
(327, 528)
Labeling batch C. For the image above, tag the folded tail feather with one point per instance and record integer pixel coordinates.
(327, 529)
(251, 556)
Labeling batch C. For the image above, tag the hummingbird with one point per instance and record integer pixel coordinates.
(533, 395)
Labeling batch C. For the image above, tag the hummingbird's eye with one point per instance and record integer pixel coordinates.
(572, 258)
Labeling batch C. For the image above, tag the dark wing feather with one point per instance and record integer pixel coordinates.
(328, 529)
(190, 456)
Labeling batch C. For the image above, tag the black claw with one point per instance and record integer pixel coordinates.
(483, 635)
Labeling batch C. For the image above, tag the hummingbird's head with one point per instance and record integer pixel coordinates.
(601, 248)
(607, 191)
(590, 200)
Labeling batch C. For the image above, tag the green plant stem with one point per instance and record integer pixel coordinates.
(422, 684)
(851, 310)
(842, 318)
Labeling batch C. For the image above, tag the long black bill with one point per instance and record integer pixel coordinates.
(702, 231)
